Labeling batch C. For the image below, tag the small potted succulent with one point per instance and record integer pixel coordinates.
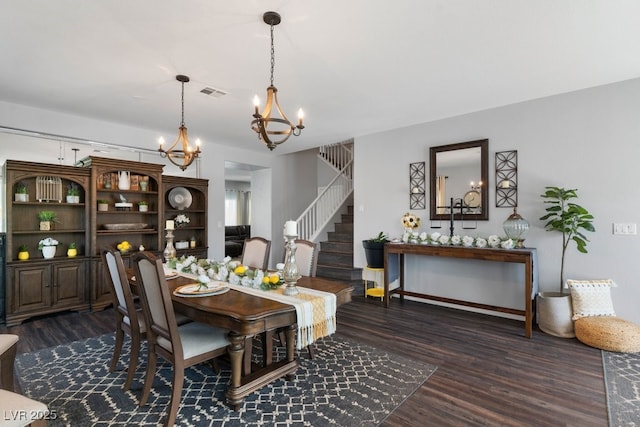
(47, 219)
(103, 205)
(23, 253)
(22, 192)
(72, 251)
(73, 193)
(143, 206)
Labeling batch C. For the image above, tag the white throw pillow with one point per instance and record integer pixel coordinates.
(591, 298)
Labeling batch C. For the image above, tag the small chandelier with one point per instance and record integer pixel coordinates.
(181, 158)
(273, 131)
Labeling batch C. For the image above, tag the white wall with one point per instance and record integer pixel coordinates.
(586, 140)
(211, 165)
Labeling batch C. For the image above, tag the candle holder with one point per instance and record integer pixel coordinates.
(169, 250)
(290, 273)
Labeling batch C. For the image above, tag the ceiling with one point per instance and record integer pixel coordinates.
(356, 67)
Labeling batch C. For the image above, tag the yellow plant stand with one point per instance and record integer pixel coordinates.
(377, 290)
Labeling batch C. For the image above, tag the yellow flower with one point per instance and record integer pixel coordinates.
(265, 280)
(274, 278)
(241, 269)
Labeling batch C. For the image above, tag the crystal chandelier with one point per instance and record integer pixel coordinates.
(273, 131)
(184, 157)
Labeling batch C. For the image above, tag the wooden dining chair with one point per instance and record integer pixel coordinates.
(129, 318)
(182, 346)
(255, 253)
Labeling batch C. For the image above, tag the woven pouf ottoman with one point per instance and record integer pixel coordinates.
(608, 333)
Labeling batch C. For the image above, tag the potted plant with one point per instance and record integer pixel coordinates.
(47, 219)
(22, 192)
(48, 247)
(23, 253)
(103, 205)
(73, 193)
(143, 206)
(374, 250)
(72, 251)
(572, 220)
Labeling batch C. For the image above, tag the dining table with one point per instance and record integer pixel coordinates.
(245, 315)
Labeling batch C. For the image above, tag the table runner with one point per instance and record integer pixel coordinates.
(315, 310)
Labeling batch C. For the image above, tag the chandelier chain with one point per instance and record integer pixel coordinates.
(273, 55)
(182, 122)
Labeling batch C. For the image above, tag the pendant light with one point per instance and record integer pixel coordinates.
(273, 131)
(185, 156)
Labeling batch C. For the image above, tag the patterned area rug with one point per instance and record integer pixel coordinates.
(346, 384)
(622, 380)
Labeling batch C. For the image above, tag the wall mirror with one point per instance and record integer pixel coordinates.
(459, 181)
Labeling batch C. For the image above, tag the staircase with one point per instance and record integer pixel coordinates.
(335, 259)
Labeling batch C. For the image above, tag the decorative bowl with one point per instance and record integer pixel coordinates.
(126, 226)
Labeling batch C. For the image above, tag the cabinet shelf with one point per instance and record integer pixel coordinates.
(47, 204)
(116, 191)
(126, 212)
(112, 232)
(25, 232)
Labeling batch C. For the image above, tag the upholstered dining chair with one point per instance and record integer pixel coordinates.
(8, 348)
(307, 263)
(255, 252)
(306, 257)
(129, 318)
(16, 409)
(182, 346)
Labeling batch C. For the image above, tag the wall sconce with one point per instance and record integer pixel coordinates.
(417, 197)
(507, 179)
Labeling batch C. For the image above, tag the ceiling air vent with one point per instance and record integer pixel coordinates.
(216, 93)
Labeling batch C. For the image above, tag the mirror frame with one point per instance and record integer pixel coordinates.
(484, 176)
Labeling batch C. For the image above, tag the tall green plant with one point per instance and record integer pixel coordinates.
(568, 218)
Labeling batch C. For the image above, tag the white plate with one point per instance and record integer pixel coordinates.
(194, 290)
(170, 274)
(180, 198)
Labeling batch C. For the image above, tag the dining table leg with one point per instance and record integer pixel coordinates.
(290, 333)
(236, 353)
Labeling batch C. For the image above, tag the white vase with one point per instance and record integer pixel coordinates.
(554, 314)
(49, 251)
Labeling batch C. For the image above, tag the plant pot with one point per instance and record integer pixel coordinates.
(48, 252)
(374, 252)
(72, 252)
(46, 225)
(23, 256)
(554, 314)
(103, 207)
(73, 199)
(143, 208)
(21, 197)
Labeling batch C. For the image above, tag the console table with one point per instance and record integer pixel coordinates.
(394, 254)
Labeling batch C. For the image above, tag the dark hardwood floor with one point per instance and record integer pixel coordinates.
(488, 373)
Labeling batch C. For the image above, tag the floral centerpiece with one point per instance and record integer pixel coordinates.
(182, 220)
(226, 271)
(410, 222)
(49, 241)
(436, 239)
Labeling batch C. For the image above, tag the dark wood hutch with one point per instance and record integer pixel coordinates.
(37, 286)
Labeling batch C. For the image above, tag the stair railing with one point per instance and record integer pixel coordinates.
(319, 213)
